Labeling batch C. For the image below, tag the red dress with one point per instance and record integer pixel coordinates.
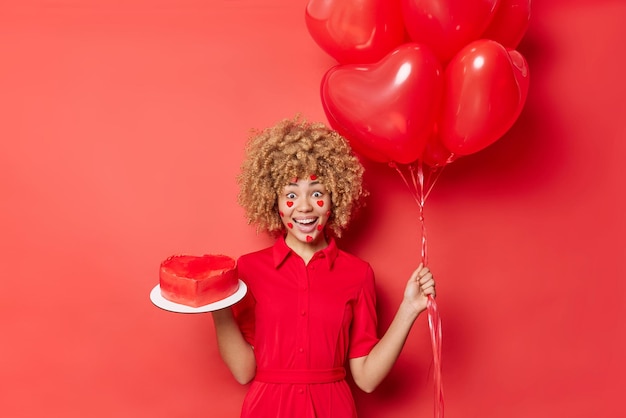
(304, 322)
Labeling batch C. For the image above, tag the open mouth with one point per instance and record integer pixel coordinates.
(306, 224)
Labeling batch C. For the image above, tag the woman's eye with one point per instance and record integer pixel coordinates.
(291, 195)
(317, 194)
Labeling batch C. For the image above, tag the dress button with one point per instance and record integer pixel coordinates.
(303, 313)
(301, 350)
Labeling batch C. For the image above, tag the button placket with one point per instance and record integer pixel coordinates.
(302, 321)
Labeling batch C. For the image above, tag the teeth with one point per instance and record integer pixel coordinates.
(305, 221)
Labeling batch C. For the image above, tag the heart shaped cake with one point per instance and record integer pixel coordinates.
(198, 280)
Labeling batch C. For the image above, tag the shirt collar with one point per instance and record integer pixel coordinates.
(281, 251)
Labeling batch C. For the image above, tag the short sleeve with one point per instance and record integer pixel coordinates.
(364, 328)
(243, 311)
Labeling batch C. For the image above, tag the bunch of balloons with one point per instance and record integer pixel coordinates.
(420, 83)
(421, 80)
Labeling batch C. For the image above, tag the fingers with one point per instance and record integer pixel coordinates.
(428, 288)
(426, 281)
(424, 278)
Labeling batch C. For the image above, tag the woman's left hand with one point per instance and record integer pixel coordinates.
(419, 287)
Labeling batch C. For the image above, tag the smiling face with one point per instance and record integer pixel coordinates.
(305, 207)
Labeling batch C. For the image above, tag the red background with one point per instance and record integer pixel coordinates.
(122, 124)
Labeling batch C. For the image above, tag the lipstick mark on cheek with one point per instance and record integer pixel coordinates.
(282, 215)
(290, 225)
(320, 203)
(289, 204)
(320, 227)
(309, 238)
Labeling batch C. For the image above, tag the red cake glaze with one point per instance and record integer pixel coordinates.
(198, 280)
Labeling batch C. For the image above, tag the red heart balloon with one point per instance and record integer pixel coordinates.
(486, 88)
(509, 23)
(447, 25)
(355, 31)
(386, 110)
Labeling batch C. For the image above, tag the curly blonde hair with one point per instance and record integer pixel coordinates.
(295, 148)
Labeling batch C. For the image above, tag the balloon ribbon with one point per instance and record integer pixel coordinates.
(423, 179)
(434, 324)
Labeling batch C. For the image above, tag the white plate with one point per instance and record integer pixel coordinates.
(161, 302)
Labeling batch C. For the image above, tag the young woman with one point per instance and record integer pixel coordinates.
(311, 307)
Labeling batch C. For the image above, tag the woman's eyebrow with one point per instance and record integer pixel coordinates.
(312, 183)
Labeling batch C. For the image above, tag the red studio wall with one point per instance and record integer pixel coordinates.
(122, 126)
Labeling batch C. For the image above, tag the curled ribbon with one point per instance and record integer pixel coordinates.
(423, 179)
(434, 324)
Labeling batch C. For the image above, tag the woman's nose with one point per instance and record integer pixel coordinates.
(305, 205)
